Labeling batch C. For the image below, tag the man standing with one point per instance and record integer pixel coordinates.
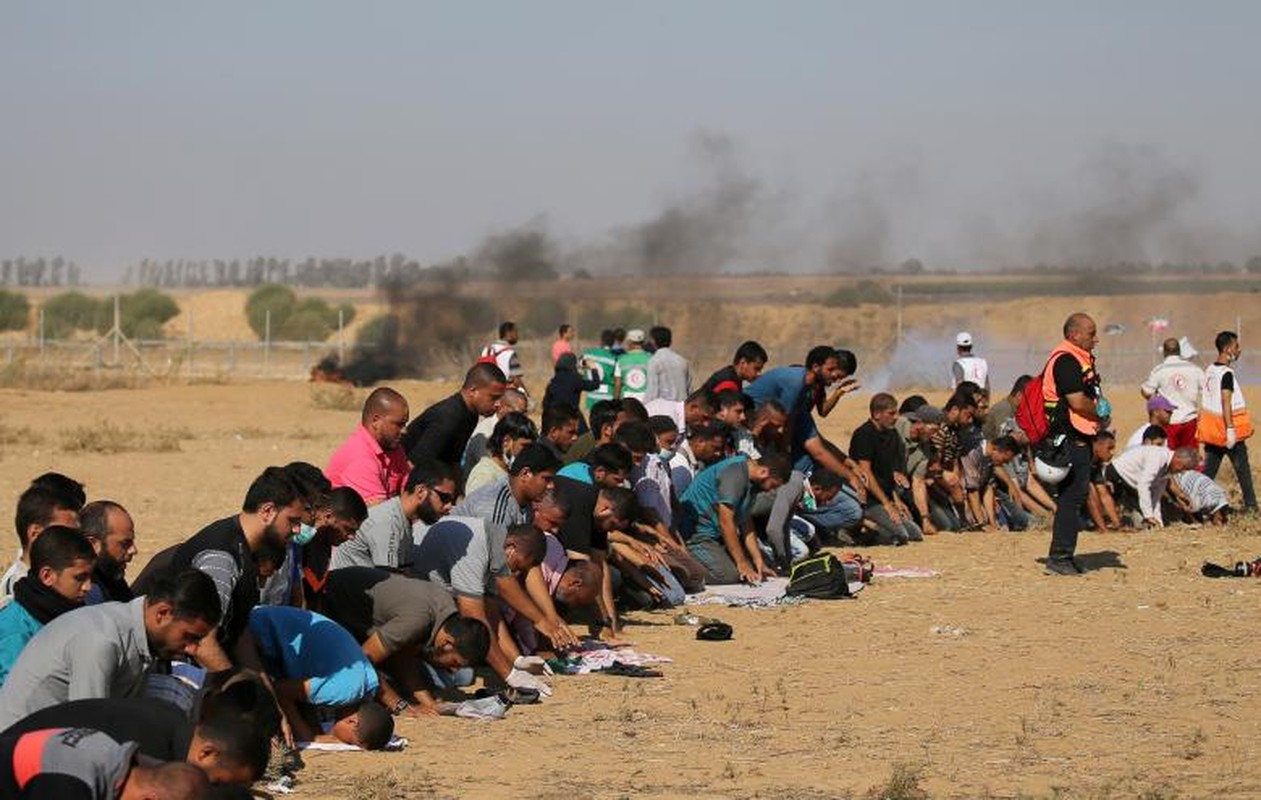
(669, 379)
(1224, 424)
(1076, 411)
(602, 361)
(443, 430)
(503, 353)
(630, 375)
(371, 461)
(968, 367)
(1178, 381)
(564, 343)
(110, 529)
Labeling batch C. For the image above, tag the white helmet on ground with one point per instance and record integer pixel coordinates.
(1050, 474)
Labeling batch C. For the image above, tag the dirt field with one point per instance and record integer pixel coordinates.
(1139, 679)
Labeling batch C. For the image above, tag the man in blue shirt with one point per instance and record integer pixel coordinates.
(714, 517)
(318, 667)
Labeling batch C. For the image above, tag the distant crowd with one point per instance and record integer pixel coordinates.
(479, 535)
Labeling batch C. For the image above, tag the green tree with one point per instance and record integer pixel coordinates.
(15, 311)
(279, 300)
(69, 312)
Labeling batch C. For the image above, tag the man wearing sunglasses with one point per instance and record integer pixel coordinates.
(387, 537)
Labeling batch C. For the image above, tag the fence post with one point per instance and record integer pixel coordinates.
(118, 333)
(41, 333)
(267, 343)
(341, 336)
(190, 344)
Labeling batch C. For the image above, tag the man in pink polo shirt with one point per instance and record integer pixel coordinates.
(371, 461)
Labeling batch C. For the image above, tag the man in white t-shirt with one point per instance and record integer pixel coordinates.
(1141, 474)
(1179, 382)
(968, 367)
(504, 351)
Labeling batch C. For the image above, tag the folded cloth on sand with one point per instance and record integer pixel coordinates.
(766, 594)
(395, 744)
(491, 707)
(887, 571)
(597, 656)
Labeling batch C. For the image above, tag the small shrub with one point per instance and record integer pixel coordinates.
(69, 312)
(903, 784)
(334, 397)
(108, 437)
(141, 315)
(305, 325)
(15, 311)
(859, 294)
(279, 300)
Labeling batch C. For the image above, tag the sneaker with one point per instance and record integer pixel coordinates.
(1062, 566)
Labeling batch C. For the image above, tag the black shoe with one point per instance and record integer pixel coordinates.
(1062, 566)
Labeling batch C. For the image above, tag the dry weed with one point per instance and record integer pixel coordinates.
(109, 437)
(334, 397)
(903, 784)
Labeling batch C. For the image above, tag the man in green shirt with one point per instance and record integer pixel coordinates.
(604, 362)
(630, 376)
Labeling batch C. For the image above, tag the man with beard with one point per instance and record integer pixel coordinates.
(387, 537)
(371, 461)
(110, 529)
(229, 551)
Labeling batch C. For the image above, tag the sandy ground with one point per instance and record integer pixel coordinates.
(1140, 678)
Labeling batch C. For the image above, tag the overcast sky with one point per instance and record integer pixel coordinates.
(962, 133)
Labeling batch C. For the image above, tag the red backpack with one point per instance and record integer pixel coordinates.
(1031, 410)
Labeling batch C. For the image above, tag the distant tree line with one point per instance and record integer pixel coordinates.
(39, 272)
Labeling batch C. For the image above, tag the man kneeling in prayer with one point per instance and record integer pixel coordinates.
(325, 685)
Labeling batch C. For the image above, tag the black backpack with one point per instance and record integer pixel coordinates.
(822, 577)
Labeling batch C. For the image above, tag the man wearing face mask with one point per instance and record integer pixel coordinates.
(336, 522)
(387, 537)
(509, 437)
(227, 551)
(1224, 423)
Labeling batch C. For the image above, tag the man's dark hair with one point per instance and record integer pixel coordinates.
(751, 352)
(730, 398)
(1007, 444)
(1107, 436)
(59, 547)
(971, 389)
(660, 423)
(238, 738)
(564, 328)
(536, 457)
(530, 541)
(190, 592)
(36, 506)
(636, 409)
(847, 361)
(619, 334)
(1018, 387)
(826, 479)
(513, 425)
(471, 638)
(506, 327)
(613, 457)
(606, 337)
(94, 518)
(882, 401)
(960, 400)
(603, 413)
(707, 430)
(558, 417)
(636, 437)
(483, 374)
(623, 501)
(345, 503)
(819, 355)
(429, 472)
(913, 403)
(70, 491)
(661, 335)
(245, 696)
(1224, 340)
(778, 463)
(376, 725)
(310, 482)
(273, 486)
(380, 401)
(1150, 432)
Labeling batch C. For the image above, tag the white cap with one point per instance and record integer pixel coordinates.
(964, 339)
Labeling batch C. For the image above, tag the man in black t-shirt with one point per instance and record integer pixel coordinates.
(878, 450)
(442, 430)
(745, 367)
(594, 513)
(230, 748)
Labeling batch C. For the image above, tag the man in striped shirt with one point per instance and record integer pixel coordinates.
(508, 500)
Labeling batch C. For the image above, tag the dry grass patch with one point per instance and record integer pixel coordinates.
(335, 397)
(109, 437)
